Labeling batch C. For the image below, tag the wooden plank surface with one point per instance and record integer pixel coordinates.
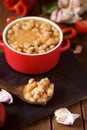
(50, 123)
(84, 110)
(43, 124)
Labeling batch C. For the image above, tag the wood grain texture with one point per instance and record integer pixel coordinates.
(84, 112)
(43, 124)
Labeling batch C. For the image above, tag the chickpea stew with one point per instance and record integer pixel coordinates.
(32, 36)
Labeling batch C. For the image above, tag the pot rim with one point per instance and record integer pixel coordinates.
(36, 18)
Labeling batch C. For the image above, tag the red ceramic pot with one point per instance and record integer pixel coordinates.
(33, 63)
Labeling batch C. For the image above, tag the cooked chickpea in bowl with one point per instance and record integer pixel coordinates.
(33, 45)
(33, 36)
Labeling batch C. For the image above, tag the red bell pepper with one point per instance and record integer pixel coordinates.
(22, 7)
(81, 26)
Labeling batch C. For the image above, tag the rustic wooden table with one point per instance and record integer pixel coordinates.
(80, 107)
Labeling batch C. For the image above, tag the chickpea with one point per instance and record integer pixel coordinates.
(27, 25)
(36, 96)
(31, 81)
(14, 46)
(44, 46)
(15, 43)
(56, 34)
(40, 90)
(35, 91)
(11, 39)
(43, 99)
(52, 46)
(50, 90)
(30, 87)
(51, 41)
(36, 49)
(44, 38)
(27, 96)
(55, 30)
(37, 25)
(26, 45)
(45, 27)
(57, 39)
(47, 49)
(32, 100)
(10, 42)
(20, 46)
(37, 42)
(19, 49)
(10, 32)
(31, 24)
(41, 86)
(30, 50)
(48, 34)
(15, 28)
(24, 50)
(40, 47)
(41, 51)
(8, 36)
(35, 30)
(44, 82)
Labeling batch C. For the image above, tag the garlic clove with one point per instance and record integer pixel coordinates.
(5, 96)
(64, 116)
(63, 3)
(78, 49)
(54, 15)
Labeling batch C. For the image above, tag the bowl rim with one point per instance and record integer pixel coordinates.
(36, 18)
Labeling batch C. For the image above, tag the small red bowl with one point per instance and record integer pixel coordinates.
(33, 63)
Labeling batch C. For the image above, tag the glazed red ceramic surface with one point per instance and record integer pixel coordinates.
(33, 63)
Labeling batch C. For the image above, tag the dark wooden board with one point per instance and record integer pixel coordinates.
(69, 77)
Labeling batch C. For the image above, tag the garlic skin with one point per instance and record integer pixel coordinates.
(5, 96)
(65, 117)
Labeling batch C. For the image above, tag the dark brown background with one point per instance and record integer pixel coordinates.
(69, 77)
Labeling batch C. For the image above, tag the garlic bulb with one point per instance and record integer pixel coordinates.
(64, 116)
(5, 96)
(69, 11)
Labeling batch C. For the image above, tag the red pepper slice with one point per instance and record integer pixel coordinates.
(81, 25)
(22, 7)
(70, 31)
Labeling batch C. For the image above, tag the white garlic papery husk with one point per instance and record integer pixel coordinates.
(5, 96)
(65, 117)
